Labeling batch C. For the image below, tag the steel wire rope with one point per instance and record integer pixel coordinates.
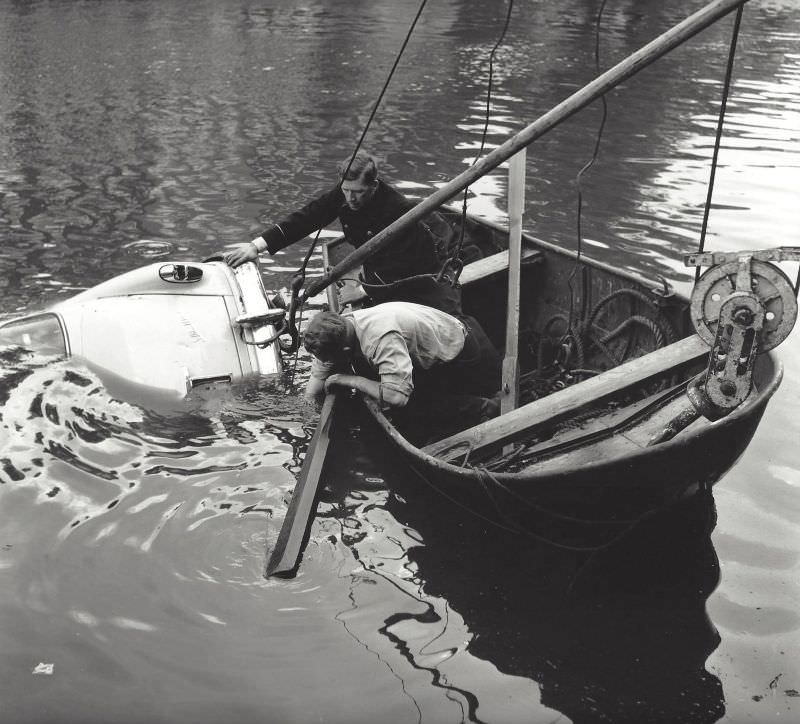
(629, 524)
(455, 258)
(482, 471)
(571, 332)
(300, 275)
(663, 323)
(718, 137)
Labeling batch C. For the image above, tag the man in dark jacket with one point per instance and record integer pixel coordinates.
(365, 205)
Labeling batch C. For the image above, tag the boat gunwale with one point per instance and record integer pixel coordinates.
(753, 405)
(659, 285)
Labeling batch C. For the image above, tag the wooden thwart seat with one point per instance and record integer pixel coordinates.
(563, 403)
(476, 270)
(494, 264)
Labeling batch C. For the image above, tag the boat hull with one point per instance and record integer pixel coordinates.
(631, 326)
(617, 485)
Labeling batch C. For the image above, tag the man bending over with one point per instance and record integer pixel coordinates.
(434, 373)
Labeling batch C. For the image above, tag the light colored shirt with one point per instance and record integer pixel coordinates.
(395, 337)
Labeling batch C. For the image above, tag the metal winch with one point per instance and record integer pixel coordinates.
(742, 306)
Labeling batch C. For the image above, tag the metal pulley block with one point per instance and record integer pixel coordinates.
(750, 274)
(730, 366)
(742, 306)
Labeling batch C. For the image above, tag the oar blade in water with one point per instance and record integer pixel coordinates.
(288, 548)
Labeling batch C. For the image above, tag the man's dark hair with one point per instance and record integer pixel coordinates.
(363, 165)
(326, 336)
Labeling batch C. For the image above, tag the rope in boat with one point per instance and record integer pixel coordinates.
(508, 527)
(524, 456)
(718, 139)
(575, 350)
(571, 335)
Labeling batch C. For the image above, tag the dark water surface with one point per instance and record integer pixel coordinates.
(132, 539)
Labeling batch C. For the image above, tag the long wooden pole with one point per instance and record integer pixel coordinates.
(655, 49)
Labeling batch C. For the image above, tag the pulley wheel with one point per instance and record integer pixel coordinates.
(769, 284)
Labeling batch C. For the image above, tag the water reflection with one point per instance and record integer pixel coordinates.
(620, 633)
(98, 458)
(143, 136)
(619, 636)
(134, 536)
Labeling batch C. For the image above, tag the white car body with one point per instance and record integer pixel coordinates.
(169, 326)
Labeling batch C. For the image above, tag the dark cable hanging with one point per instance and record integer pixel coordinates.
(718, 139)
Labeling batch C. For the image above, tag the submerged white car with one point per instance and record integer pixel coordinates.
(168, 326)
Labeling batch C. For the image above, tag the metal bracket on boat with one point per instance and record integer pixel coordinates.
(742, 306)
(451, 271)
(715, 258)
(740, 275)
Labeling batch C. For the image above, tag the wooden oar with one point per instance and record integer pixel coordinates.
(286, 554)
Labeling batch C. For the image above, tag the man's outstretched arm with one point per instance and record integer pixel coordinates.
(384, 395)
(316, 214)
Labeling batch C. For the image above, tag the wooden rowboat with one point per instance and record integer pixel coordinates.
(587, 438)
(619, 394)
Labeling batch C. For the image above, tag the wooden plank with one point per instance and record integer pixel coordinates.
(509, 399)
(565, 402)
(626, 442)
(286, 554)
(665, 423)
(332, 292)
(494, 264)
